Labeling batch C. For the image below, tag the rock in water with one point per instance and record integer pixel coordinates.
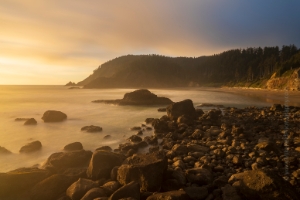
(78, 189)
(259, 184)
(54, 116)
(31, 147)
(30, 121)
(180, 108)
(73, 146)
(102, 162)
(91, 128)
(4, 151)
(147, 170)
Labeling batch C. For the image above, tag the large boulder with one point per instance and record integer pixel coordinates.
(95, 193)
(139, 97)
(31, 147)
(79, 188)
(52, 187)
(259, 184)
(147, 170)
(199, 176)
(54, 116)
(30, 121)
(102, 162)
(20, 180)
(180, 108)
(75, 146)
(131, 190)
(61, 161)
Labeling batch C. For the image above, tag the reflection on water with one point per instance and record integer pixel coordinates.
(33, 101)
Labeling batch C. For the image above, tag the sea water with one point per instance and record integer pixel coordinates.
(116, 121)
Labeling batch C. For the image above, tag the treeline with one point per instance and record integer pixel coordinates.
(237, 65)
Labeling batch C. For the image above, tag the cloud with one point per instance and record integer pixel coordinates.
(83, 34)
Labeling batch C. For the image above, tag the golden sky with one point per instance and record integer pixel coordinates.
(53, 42)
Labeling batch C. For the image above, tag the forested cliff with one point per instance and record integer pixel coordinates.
(268, 67)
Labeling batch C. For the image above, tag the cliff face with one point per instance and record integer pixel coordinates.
(290, 82)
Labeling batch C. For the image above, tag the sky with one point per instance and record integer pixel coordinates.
(46, 42)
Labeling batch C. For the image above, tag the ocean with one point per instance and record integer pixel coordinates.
(33, 101)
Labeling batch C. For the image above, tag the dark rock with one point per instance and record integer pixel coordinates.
(199, 176)
(138, 97)
(185, 119)
(107, 137)
(135, 138)
(276, 107)
(169, 185)
(135, 128)
(20, 180)
(147, 170)
(267, 146)
(259, 184)
(104, 148)
(30, 121)
(4, 151)
(153, 149)
(230, 193)
(73, 146)
(54, 116)
(72, 88)
(111, 186)
(31, 147)
(131, 189)
(79, 188)
(171, 195)
(71, 84)
(149, 120)
(196, 192)
(101, 164)
(162, 110)
(63, 160)
(184, 107)
(52, 187)
(94, 193)
(152, 140)
(160, 126)
(91, 129)
(140, 133)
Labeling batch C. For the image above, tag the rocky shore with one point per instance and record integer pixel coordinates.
(227, 153)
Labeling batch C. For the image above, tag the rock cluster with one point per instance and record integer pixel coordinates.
(230, 154)
(138, 97)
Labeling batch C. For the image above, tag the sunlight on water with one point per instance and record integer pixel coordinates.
(33, 101)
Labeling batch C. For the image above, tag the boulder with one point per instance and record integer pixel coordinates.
(94, 193)
(31, 147)
(147, 170)
(277, 107)
(196, 192)
(73, 146)
(230, 193)
(61, 161)
(260, 184)
(171, 195)
(138, 97)
(102, 162)
(135, 138)
(30, 121)
(104, 148)
(91, 129)
(52, 187)
(20, 180)
(184, 107)
(4, 151)
(130, 190)
(54, 116)
(199, 176)
(79, 188)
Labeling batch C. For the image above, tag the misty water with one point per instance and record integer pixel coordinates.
(33, 101)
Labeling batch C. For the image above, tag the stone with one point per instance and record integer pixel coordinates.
(135, 138)
(104, 148)
(178, 109)
(54, 116)
(196, 192)
(31, 147)
(171, 195)
(230, 193)
(102, 162)
(263, 184)
(4, 151)
(92, 129)
(130, 190)
(199, 176)
(147, 170)
(79, 188)
(197, 148)
(95, 193)
(112, 186)
(162, 109)
(75, 146)
(30, 121)
(22, 179)
(52, 187)
(180, 149)
(61, 161)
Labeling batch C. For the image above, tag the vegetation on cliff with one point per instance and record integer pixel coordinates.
(251, 67)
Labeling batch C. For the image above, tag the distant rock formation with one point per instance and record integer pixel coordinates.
(30, 121)
(71, 84)
(138, 97)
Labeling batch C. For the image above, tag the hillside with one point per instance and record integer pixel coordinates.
(268, 67)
